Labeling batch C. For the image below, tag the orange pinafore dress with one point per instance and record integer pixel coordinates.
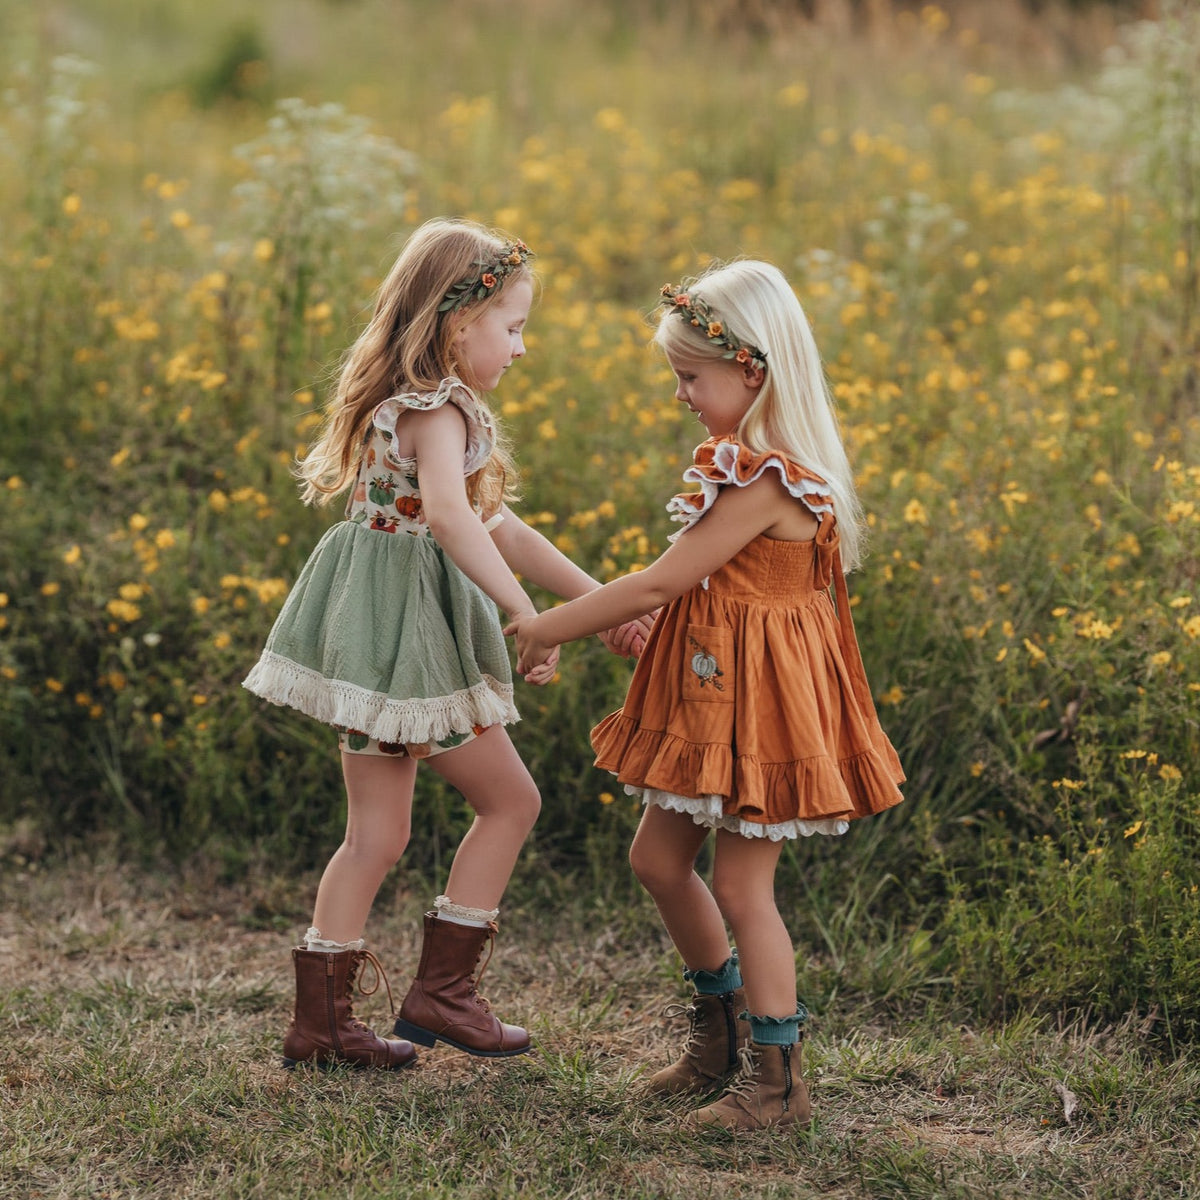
(749, 708)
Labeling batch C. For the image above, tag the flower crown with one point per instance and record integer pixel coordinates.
(489, 279)
(697, 311)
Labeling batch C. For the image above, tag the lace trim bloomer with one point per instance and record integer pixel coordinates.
(708, 811)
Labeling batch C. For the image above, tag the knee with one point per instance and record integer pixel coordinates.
(734, 899)
(656, 872)
(525, 806)
(379, 852)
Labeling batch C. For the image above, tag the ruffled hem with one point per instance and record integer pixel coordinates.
(337, 702)
(819, 787)
(709, 812)
(722, 461)
(661, 760)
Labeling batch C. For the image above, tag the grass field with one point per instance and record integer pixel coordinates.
(140, 1059)
(992, 217)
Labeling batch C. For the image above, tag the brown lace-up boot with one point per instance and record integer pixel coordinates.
(768, 1092)
(710, 1051)
(444, 1004)
(325, 1031)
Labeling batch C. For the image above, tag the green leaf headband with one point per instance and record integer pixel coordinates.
(697, 312)
(488, 280)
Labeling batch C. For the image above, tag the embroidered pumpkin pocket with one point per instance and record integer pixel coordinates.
(708, 664)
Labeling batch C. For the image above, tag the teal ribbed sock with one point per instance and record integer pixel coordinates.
(777, 1031)
(716, 983)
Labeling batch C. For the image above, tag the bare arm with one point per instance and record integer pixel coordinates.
(539, 560)
(439, 442)
(738, 515)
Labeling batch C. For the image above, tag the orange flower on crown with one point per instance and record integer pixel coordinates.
(697, 312)
(491, 277)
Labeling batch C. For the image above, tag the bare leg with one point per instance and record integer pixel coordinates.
(378, 822)
(663, 857)
(744, 886)
(496, 784)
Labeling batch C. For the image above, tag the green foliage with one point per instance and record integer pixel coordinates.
(1095, 920)
(1000, 300)
(239, 69)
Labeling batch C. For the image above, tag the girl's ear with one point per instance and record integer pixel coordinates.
(753, 376)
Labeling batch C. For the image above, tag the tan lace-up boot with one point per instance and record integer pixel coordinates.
(768, 1092)
(710, 1051)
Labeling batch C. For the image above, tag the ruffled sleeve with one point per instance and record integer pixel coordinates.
(721, 461)
(481, 430)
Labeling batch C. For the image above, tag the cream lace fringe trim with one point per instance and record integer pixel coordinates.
(336, 702)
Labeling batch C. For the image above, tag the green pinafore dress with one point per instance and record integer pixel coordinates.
(382, 634)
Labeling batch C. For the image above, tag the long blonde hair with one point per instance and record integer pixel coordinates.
(409, 346)
(793, 412)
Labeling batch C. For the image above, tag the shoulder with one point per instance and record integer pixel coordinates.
(450, 395)
(450, 391)
(725, 463)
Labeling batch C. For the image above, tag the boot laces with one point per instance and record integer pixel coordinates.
(696, 1022)
(353, 982)
(747, 1076)
(491, 946)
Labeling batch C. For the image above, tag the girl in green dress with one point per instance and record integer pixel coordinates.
(391, 635)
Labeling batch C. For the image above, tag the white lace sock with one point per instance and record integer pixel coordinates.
(315, 942)
(460, 914)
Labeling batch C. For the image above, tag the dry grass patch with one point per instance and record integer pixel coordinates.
(142, 1017)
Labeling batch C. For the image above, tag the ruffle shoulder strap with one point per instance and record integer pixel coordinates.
(481, 430)
(722, 461)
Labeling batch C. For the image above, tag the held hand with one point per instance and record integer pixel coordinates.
(629, 640)
(536, 661)
(544, 673)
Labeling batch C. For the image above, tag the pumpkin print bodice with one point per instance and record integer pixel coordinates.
(386, 495)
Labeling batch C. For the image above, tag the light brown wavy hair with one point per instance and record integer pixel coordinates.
(409, 346)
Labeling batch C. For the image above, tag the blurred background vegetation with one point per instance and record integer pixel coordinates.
(990, 212)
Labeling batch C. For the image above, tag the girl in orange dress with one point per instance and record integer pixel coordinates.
(749, 712)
